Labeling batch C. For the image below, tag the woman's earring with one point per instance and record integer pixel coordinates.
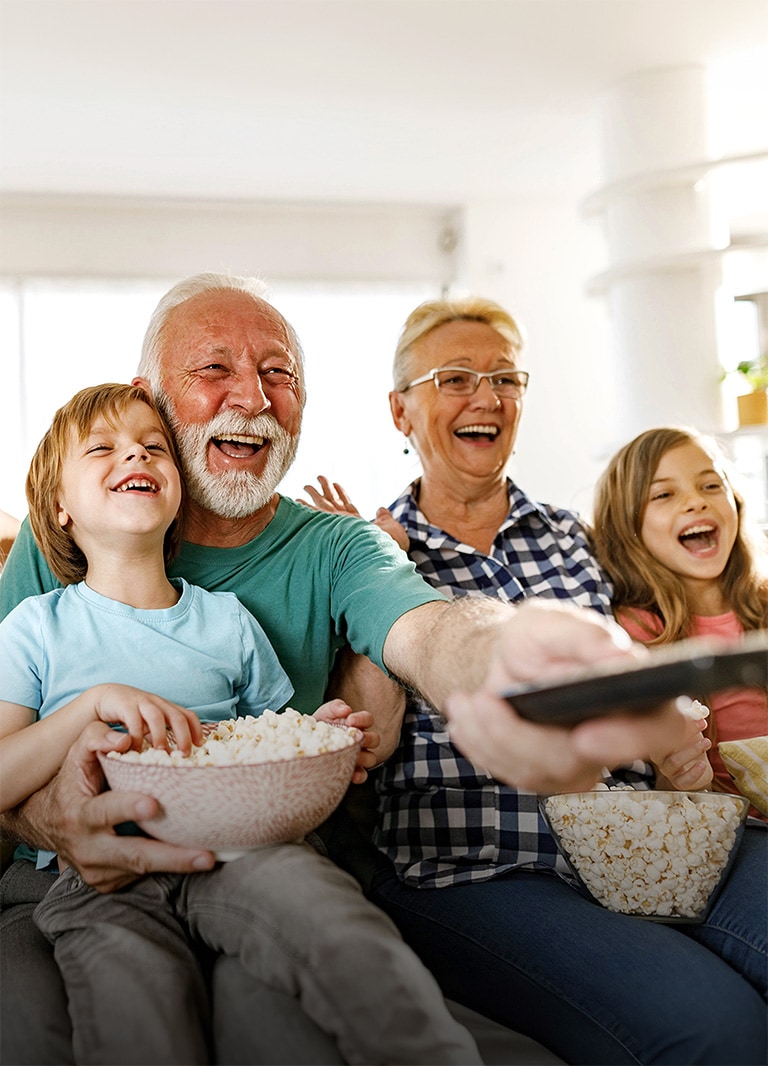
(406, 449)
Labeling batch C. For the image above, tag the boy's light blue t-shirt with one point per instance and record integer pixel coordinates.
(206, 653)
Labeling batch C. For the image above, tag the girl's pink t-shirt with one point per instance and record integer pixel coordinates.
(738, 713)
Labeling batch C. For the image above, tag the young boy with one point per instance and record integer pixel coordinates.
(105, 495)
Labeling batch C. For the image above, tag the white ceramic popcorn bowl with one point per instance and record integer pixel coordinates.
(658, 855)
(231, 809)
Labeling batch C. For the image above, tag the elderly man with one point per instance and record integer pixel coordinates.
(227, 369)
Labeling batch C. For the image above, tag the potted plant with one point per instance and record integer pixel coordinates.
(753, 405)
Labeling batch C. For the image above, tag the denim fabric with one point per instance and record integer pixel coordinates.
(303, 926)
(736, 928)
(256, 1025)
(593, 986)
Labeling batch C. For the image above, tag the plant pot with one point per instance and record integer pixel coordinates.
(753, 408)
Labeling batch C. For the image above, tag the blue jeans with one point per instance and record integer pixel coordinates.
(597, 987)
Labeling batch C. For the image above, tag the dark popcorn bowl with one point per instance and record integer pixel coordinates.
(660, 855)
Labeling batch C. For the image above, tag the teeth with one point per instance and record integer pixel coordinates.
(137, 483)
(698, 529)
(242, 438)
(490, 430)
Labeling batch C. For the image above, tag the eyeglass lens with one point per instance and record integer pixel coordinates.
(465, 382)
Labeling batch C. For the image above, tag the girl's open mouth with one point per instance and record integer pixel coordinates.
(700, 538)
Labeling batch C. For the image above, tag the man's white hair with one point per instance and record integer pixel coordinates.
(196, 285)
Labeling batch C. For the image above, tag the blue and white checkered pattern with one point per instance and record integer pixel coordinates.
(443, 821)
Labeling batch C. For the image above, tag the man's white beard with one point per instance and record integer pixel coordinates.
(233, 493)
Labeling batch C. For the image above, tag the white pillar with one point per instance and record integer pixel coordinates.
(664, 246)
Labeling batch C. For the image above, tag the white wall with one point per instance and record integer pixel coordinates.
(120, 237)
(535, 257)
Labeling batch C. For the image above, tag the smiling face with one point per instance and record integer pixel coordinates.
(691, 520)
(119, 482)
(232, 390)
(459, 436)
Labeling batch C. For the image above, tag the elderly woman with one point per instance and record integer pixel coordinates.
(474, 879)
(458, 398)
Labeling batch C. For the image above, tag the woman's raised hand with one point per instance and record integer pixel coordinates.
(331, 497)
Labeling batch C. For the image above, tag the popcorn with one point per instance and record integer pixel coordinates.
(647, 853)
(269, 738)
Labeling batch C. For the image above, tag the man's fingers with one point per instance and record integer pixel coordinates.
(135, 854)
(367, 758)
(543, 640)
(140, 856)
(372, 740)
(527, 756)
(111, 808)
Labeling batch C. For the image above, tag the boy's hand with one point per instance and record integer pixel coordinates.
(340, 713)
(687, 768)
(144, 714)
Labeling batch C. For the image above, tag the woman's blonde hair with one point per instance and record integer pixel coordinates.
(433, 313)
(639, 580)
(62, 554)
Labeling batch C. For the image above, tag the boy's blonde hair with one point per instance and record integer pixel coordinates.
(639, 580)
(62, 554)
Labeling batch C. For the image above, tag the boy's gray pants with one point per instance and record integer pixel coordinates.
(293, 919)
(252, 1024)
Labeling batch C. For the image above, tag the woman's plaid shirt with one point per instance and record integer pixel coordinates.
(442, 820)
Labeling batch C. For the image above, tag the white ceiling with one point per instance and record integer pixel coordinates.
(332, 100)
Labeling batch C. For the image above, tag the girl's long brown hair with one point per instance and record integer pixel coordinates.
(639, 580)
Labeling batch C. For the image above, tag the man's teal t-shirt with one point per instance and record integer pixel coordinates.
(314, 581)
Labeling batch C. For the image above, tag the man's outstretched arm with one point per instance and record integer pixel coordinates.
(462, 655)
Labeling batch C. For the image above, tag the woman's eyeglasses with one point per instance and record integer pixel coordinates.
(458, 381)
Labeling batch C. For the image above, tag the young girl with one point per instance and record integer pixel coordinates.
(105, 492)
(671, 531)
